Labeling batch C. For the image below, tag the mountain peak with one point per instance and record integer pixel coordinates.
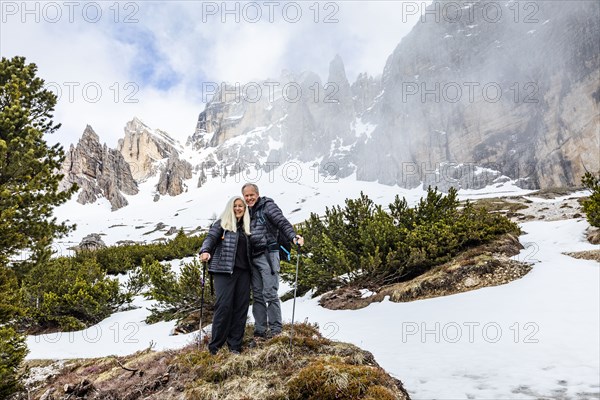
(90, 134)
(98, 171)
(136, 125)
(142, 146)
(337, 70)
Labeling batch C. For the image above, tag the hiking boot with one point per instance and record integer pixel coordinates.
(235, 351)
(273, 334)
(256, 340)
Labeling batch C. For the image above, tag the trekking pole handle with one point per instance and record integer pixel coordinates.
(297, 240)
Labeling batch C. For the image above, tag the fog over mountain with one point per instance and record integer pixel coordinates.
(473, 96)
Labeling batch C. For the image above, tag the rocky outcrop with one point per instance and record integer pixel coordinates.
(467, 99)
(172, 175)
(276, 120)
(201, 179)
(315, 368)
(515, 96)
(98, 171)
(152, 151)
(364, 91)
(91, 242)
(142, 147)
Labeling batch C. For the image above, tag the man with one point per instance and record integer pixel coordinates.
(266, 223)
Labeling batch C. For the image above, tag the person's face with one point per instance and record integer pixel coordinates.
(238, 208)
(250, 196)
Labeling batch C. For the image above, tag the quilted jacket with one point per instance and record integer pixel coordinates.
(266, 222)
(222, 246)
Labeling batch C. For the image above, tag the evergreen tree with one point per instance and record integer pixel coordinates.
(28, 165)
(12, 344)
(12, 352)
(28, 192)
(591, 206)
(9, 296)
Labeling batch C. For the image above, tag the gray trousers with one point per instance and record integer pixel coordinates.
(266, 307)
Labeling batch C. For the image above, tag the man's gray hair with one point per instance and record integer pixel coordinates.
(252, 185)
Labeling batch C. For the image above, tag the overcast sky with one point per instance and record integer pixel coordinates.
(110, 61)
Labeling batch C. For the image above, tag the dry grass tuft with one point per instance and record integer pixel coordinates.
(327, 380)
(315, 368)
(585, 255)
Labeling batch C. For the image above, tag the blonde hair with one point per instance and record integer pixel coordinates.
(228, 219)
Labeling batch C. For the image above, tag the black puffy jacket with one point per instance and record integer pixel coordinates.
(266, 221)
(222, 246)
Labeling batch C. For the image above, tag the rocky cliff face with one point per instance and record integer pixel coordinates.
(142, 147)
(142, 153)
(470, 97)
(150, 152)
(514, 93)
(294, 117)
(172, 176)
(473, 96)
(98, 171)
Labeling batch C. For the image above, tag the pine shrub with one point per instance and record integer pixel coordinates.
(120, 259)
(177, 295)
(12, 354)
(591, 206)
(68, 294)
(363, 242)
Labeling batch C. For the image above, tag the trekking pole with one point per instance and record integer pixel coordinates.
(201, 304)
(295, 289)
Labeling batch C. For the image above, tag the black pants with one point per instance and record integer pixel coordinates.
(231, 309)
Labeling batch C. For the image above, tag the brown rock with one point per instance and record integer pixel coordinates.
(470, 282)
(593, 236)
(172, 176)
(98, 171)
(142, 147)
(91, 242)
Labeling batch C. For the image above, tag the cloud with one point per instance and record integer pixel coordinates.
(150, 59)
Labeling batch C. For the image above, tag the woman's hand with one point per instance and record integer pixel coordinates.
(299, 240)
(204, 257)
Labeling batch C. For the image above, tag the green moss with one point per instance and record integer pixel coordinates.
(379, 393)
(323, 380)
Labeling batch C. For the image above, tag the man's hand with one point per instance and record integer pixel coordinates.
(299, 240)
(204, 257)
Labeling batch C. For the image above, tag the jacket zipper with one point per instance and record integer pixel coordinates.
(235, 251)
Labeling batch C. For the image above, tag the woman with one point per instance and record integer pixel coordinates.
(227, 249)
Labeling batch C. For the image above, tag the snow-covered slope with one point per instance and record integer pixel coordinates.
(532, 338)
(297, 188)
